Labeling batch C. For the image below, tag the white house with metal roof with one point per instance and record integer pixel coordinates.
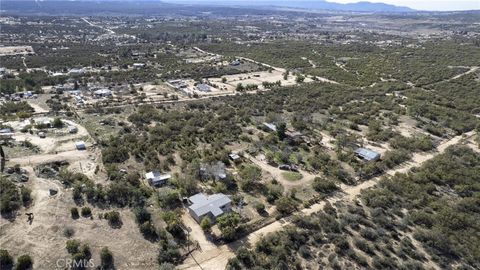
(270, 126)
(104, 92)
(367, 154)
(156, 178)
(212, 206)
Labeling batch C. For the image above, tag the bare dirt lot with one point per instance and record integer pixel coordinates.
(44, 238)
(254, 78)
(15, 50)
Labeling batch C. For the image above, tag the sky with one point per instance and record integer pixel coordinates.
(436, 5)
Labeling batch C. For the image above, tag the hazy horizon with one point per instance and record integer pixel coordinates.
(426, 5)
(431, 5)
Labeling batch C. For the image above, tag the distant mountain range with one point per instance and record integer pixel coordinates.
(181, 7)
(363, 6)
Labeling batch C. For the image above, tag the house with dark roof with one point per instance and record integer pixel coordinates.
(367, 154)
(211, 206)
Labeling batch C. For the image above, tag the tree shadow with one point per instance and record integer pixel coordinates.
(10, 216)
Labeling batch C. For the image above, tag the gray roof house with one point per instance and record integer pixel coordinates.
(203, 87)
(156, 178)
(212, 206)
(367, 154)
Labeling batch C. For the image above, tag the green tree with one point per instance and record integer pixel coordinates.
(300, 79)
(249, 175)
(206, 224)
(24, 262)
(286, 205)
(26, 197)
(6, 260)
(240, 87)
(228, 225)
(324, 186)
(74, 212)
(86, 211)
(260, 207)
(57, 123)
(281, 129)
(113, 218)
(106, 259)
(73, 246)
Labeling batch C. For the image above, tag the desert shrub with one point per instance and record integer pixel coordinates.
(6, 260)
(74, 212)
(286, 205)
(86, 211)
(24, 262)
(73, 246)
(68, 232)
(113, 218)
(106, 259)
(324, 186)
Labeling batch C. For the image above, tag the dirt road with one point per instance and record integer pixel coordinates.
(218, 258)
(69, 156)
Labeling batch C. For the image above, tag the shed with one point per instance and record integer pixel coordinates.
(155, 178)
(367, 154)
(234, 156)
(80, 145)
(270, 126)
(72, 129)
(138, 65)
